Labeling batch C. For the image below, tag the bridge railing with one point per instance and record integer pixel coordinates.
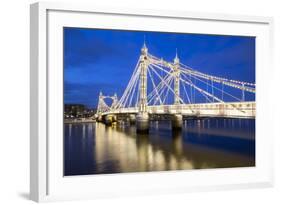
(235, 109)
(232, 109)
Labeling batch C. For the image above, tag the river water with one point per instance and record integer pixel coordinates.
(93, 148)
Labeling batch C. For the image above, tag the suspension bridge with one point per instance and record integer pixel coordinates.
(159, 87)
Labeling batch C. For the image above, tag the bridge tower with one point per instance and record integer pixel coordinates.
(114, 101)
(100, 104)
(142, 117)
(99, 109)
(176, 80)
(176, 118)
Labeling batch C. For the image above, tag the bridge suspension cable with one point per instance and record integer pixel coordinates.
(162, 75)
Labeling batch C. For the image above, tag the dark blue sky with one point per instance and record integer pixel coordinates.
(103, 60)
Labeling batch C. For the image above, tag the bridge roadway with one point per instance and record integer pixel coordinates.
(227, 109)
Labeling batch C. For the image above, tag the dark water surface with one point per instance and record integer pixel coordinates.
(93, 148)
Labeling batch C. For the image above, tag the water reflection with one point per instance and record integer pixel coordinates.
(93, 148)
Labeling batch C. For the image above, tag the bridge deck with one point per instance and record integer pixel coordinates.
(229, 109)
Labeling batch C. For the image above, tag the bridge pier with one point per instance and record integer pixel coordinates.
(99, 118)
(109, 119)
(142, 120)
(176, 122)
(114, 118)
(132, 119)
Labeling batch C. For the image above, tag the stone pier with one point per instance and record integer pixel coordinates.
(142, 120)
(176, 122)
(132, 119)
(99, 118)
(109, 119)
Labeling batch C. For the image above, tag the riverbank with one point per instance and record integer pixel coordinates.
(80, 120)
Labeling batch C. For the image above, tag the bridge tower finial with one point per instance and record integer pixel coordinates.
(176, 59)
(144, 47)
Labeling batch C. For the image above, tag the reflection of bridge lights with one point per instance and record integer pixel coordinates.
(90, 128)
(199, 127)
(185, 123)
(173, 165)
(83, 131)
(186, 164)
(70, 130)
(122, 125)
(157, 125)
(150, 157)
(177, 143)
(203, 123)
(114, 124)
(160, 160)
(112, 149)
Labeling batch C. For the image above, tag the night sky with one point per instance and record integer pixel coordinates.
(103, 60)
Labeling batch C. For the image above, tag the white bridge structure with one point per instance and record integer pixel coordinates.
(159, 87)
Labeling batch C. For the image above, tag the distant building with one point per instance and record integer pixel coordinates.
(77, 110)
(74, 110)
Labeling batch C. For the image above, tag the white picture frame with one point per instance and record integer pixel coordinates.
(46, 179)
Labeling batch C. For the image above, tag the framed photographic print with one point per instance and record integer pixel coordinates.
(127, 102)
